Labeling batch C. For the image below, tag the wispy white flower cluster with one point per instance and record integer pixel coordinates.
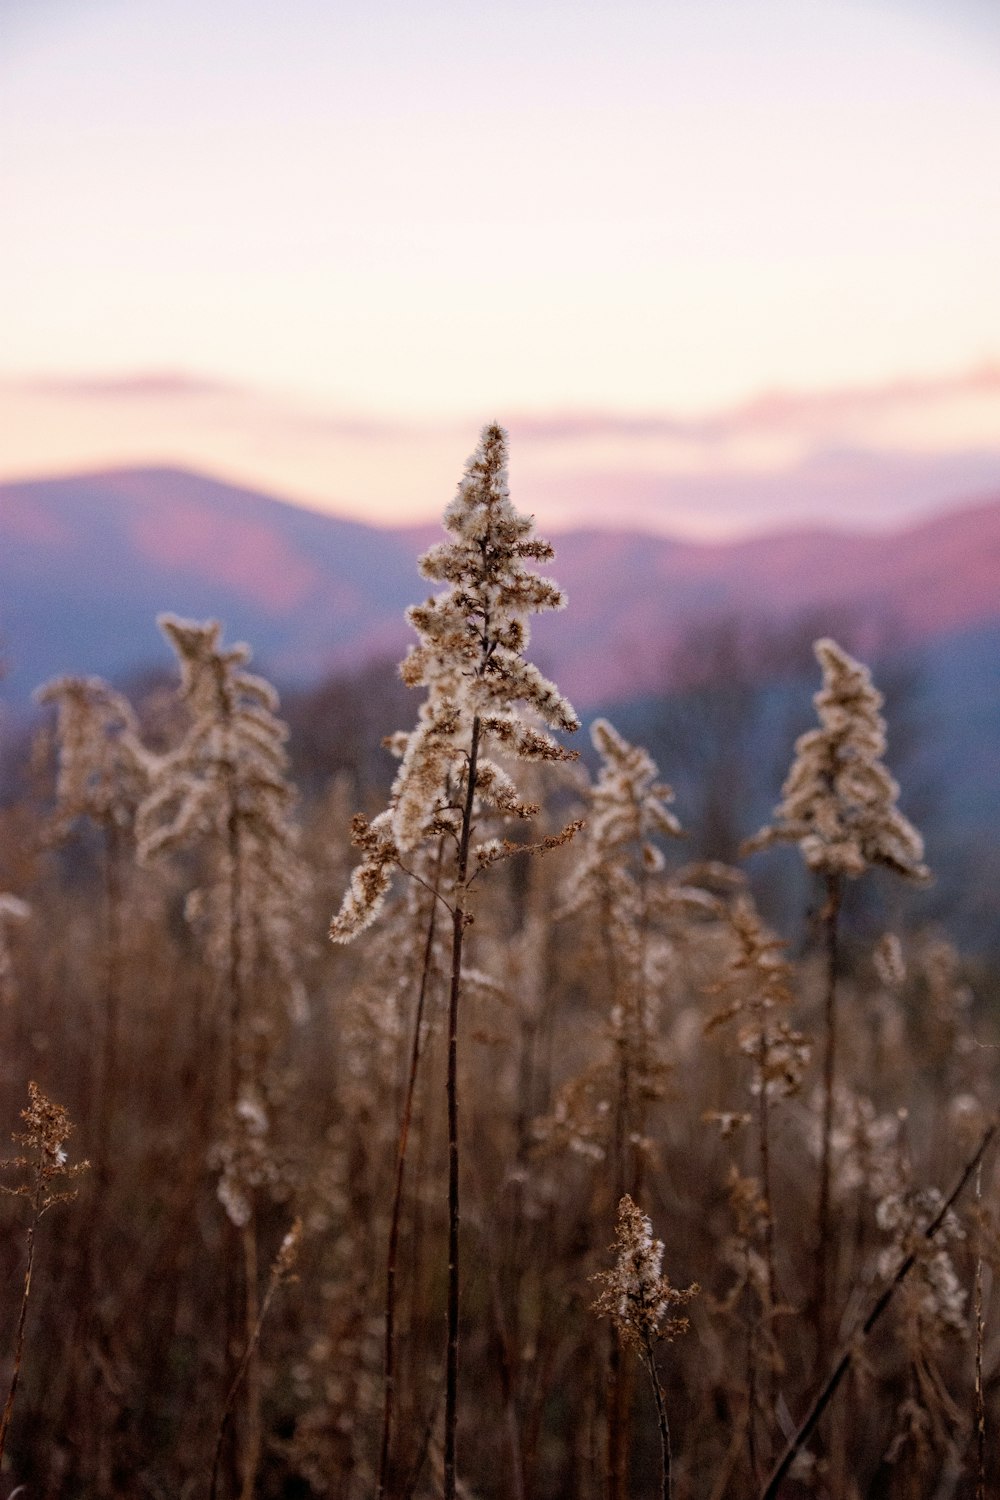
(13, 911)
(224, 790)
(633, 913)
(757, 985)
(245, 1158)
(103, 768)
(225, 786)
(839, 800)
(628, 809)
(938, 1298)
(637, 1296)
(483, 697)
(950, 999)
(865, 1145)
(869, 1155)
(890, 965)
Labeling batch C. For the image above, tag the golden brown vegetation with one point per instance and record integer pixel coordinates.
(636, 1047)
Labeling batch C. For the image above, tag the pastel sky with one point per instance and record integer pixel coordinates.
(718, 266)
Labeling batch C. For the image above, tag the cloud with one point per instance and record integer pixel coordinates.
(863, 454)
(776, 410)
(852, 489)
(152, 385)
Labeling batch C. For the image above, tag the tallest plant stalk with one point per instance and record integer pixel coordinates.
(470, 658)
(831, 919)
(459, 919)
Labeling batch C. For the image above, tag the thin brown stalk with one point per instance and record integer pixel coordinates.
(238, 1318)
(980, 1329)
(843, 1364)
(236, 1006)
(618, 1438)
(457, 939)
(661, 1418)
(752, 1361)
(417, 1467)
(280, 1272)
(764, 1152)
(617, 1421)
(252, 1435)
(8, 1410)
(507, 1359)
(107, 1074)
(756, 1341)
(388, 1406)
(831, 915)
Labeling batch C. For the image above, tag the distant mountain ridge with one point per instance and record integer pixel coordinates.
(86, 563)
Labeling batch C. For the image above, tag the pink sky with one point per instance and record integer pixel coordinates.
(718, 267)
(862, 456)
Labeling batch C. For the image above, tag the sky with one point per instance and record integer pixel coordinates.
(719, 267)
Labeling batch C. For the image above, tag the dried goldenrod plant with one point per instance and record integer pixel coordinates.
(615, 885)
(224, 790)
(921, 1245)
(639, 1299)
(282, 1270)
(621, 894)
(757, 990)
(44, 1168)
(13, 911)
(102, 777)
(482, 695)
(839, 805)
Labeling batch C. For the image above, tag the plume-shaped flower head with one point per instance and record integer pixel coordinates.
(234, 746)
(637, 1296)
(103, 768)
(839, 800)
(225, 786)
(483, 695)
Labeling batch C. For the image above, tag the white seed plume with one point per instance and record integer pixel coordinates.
(226, 786)
(103, 768)
(637, 1296)
(839, 800)
(470, 659)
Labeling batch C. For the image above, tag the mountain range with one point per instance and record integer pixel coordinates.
(87, 562)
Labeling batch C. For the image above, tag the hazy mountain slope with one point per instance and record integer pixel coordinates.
(630, 595)
(86, 562)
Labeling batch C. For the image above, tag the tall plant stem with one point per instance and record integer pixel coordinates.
(252, 1441)
(843, 1364)
(388, 1405)
(107, 1076)
(236, 1006)
(459, 920)
(831, 922)
(764, 1151)
(8, 1410)
(616, 1396)
(661, 1418)
(239, 1318)
(618, 1436)
(278, 1272)
(629, 1170)
(980, 1397)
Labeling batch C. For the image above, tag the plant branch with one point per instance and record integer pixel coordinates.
(843, 1364)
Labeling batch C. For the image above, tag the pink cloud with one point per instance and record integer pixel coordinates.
(151, 385)
(840, 487)
(865, 455)
(772, 410)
